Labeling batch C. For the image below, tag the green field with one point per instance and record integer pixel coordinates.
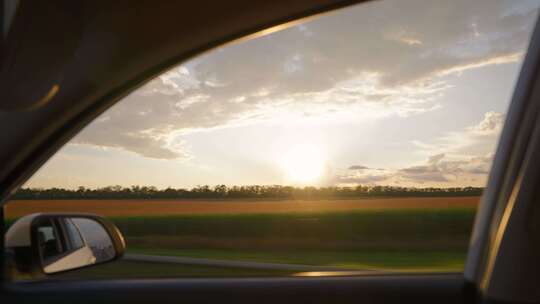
(386, 239)
(430, 239)
(430, 229)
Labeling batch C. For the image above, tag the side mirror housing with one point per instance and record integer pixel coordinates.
(46, 243)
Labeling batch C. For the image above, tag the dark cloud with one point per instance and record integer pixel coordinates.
(357, 167)
(433, 171)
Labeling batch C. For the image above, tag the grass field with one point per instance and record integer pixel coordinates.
(389, 229)
(403, 234)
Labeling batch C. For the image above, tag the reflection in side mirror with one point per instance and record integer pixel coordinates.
(72, 242)
(51, 243)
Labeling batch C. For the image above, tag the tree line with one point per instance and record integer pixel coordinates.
(238, 192)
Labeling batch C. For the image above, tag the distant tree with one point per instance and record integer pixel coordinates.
(235, 192)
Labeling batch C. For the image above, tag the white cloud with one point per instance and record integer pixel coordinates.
(185, 103)
(352, 65)
(483, 135)
(452, 159)
(490, 125)
(437, 170)
(458, 69)
(404, 37)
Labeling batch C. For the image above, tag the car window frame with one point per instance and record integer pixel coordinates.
(501, 155)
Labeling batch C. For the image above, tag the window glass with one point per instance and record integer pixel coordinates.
(358, 141)
(73, 235)
(46, 233)
(50, 245)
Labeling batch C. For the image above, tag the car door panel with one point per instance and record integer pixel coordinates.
(436, 288)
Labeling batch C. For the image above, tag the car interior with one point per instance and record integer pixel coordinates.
(64, 63)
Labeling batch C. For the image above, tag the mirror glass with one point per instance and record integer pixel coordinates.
(72, 242)
(97, 239)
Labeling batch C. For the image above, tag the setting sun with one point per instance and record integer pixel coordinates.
(303, 164)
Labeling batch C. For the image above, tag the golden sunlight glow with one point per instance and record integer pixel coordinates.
(303, 164)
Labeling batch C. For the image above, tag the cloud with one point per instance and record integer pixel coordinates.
(365, 176)
(510, 58)
(480, 138)
(458, 166)
(352, 65)
(439, 169)
(490, 125)
(357, 167)
(458, 156)
(368, 179)
(435, 170)
(404, 37)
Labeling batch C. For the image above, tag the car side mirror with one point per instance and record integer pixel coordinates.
(44, 243)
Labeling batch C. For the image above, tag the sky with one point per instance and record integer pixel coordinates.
(404, 93)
